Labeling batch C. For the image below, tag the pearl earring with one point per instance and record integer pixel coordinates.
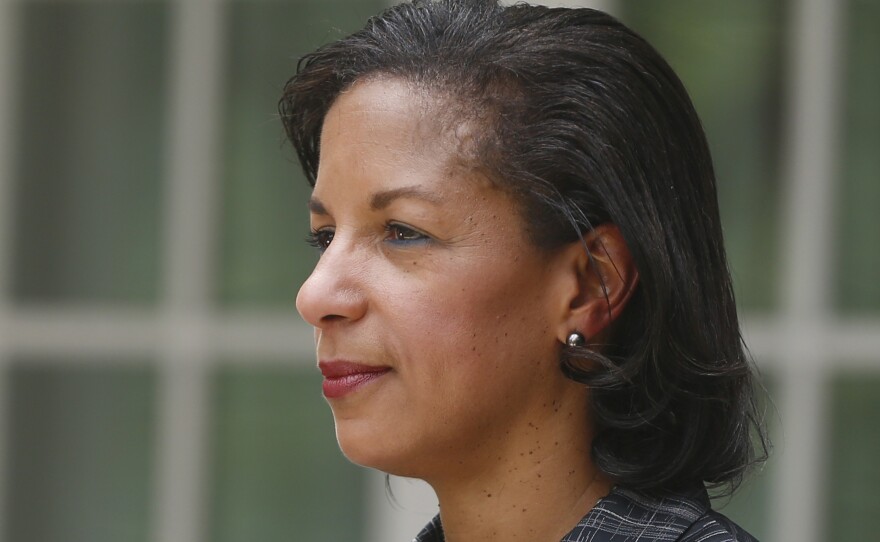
(575, 339)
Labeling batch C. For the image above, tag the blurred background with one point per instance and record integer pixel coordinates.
(156, 383)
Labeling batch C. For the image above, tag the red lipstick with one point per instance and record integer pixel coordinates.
(344, 377)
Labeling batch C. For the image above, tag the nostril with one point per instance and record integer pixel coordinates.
(331, 318)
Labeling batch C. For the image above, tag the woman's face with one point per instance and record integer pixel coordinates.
(436, 320)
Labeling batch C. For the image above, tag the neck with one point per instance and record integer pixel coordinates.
(533, 488)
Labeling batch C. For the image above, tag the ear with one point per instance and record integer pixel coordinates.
(600, 282)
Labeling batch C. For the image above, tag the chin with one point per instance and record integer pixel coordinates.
(376, 450)
(362, 444)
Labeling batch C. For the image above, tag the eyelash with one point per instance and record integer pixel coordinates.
(321, 239)
(391, 227)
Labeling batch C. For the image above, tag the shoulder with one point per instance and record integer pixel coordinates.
(629, 516)
(715, 527)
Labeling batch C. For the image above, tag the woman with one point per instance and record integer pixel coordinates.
(522, 296)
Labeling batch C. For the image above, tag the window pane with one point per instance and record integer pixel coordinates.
(80, 445)
(854, 477)
(750, 506)
(89, 140)
(264, 257)
(729, 56)
(278, 474)
(859, 257)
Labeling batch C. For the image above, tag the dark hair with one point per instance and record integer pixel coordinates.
(585, 123)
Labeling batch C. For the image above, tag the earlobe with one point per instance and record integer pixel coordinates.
(604, 279)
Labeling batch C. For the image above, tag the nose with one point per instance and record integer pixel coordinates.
(333, 293)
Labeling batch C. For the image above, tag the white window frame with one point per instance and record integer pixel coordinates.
(804, 343)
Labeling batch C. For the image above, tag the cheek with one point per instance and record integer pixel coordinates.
(479, 340)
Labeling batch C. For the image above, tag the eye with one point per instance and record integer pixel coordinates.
(320, 239)
(399, 233)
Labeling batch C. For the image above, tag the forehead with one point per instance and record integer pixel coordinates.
(387, 126)
(429, 116)
(381, 112)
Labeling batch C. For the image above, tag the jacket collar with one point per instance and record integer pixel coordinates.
(627, 516)
(623, 516)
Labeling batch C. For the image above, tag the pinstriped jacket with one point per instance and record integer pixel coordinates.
(627, 516)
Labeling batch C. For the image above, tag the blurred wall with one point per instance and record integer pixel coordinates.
(155, 381)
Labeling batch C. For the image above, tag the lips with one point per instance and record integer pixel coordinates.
(344, 377)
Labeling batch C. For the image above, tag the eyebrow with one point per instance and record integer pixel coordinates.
(383, 199)
(316, 207)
